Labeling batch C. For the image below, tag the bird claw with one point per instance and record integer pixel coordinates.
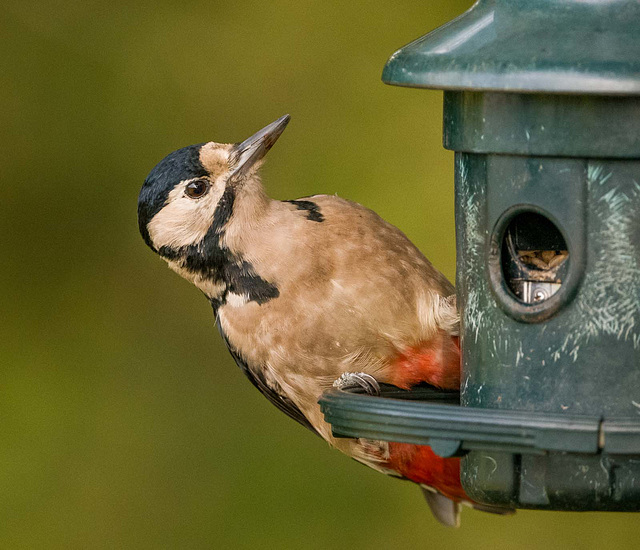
(361, 379)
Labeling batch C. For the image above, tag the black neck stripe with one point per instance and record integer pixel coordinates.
(210, 259)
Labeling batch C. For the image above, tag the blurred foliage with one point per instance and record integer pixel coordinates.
(124, 421)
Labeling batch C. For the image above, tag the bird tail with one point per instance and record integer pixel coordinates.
(445, 510)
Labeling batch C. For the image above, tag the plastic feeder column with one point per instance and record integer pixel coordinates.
(542, 109)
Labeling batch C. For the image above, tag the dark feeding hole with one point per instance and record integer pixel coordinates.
(534, 258)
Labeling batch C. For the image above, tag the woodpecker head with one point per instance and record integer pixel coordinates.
(191, 192)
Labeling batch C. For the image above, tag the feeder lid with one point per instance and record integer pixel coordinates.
(553, 46)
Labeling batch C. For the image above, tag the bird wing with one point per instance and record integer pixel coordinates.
(272, 394)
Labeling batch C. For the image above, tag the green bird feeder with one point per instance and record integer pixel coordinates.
(542, 109)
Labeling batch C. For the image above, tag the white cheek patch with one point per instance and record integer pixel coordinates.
(184, 221)
(236, 300)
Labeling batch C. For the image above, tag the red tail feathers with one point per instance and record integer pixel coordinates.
(421, 465)
(437, 363)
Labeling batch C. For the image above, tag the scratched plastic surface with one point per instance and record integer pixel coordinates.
(576, 352)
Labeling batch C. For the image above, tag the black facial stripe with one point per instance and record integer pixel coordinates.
(211, 260)
(208, 257)
(172, 254)
(242, 279)
(175, 167)
(220, 265)
(313, 210)
(223, 211)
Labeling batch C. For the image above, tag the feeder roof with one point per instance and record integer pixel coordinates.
(553, 46)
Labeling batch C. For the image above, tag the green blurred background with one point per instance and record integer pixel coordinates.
(124, 421)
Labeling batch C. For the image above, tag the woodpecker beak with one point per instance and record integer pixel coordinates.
(252, 150)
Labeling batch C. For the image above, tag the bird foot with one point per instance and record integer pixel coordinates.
(361, 379)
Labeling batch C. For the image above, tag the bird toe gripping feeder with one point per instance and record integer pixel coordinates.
(542, 109)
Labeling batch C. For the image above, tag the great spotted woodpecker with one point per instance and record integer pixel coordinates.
(309, 293)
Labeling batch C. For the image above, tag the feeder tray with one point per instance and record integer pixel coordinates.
(426, 415)
(517, 443)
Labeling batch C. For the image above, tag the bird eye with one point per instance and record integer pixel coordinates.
(196, 189)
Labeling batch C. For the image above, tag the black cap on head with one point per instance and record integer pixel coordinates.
(180, 165)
